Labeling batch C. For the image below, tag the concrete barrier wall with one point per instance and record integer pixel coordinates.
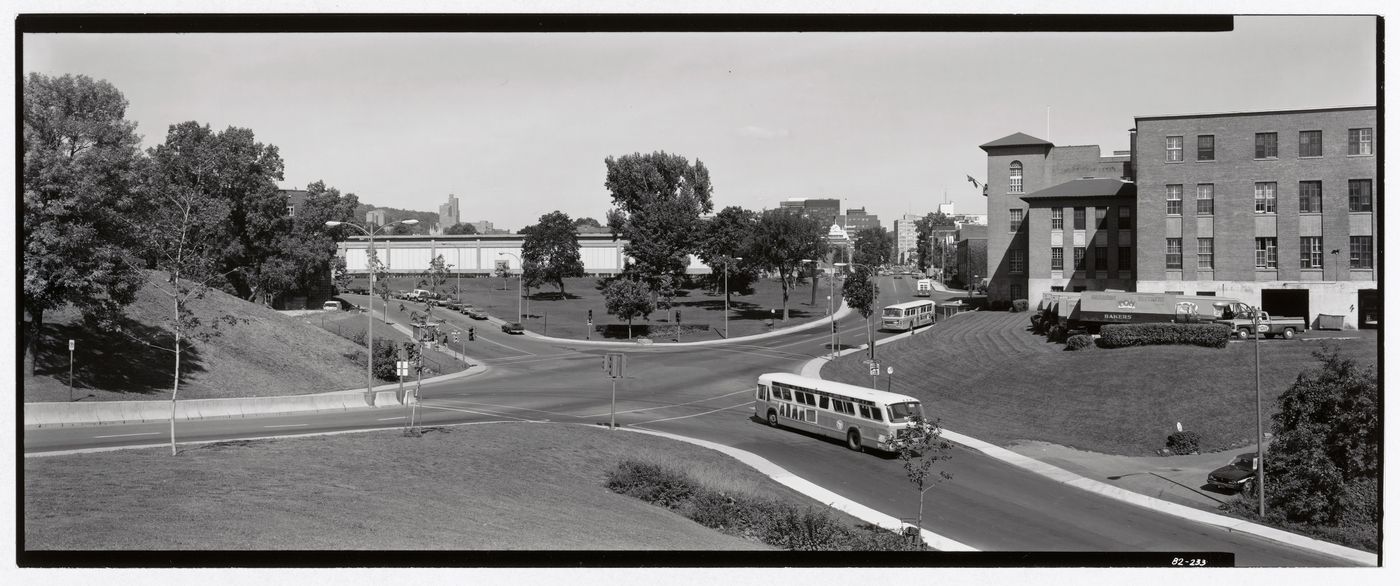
(108, 412)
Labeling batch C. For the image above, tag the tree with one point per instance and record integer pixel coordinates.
(924, 237)
(80, 164)
(462, 228)
(781, 240)
(628, 299)
(873, 246)
(306, 249)
(340, 275)
(381, 284)
(724, 238)
(924, 446)
(1325, 455)
(436, 275)
(587, 222)
(185, 238)
(658, 201)
(551, 251)
(860, 293)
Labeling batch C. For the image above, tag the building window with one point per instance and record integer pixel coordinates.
(1309, 197)
(1016, 292)
(1359, 141)
(1016, 216)
(1174, 253)
(1205, 253)
(1100, 258)
(1079, 258)
(291, 211)
(1265, 197)
(1173, 200)
(1205, 147)
(1310, 252)
(1057, 288)
(1360, 252)
(1018, 261)
(1078, 218)
(1125, 258)
(1016, 177)
(1205, 199)
(1266, 145)
(1057, 258)
(1125, 218)
(1359, 195)
(1057, 218)
(1174, 149)
(1265, 253)
(1310, 143)
(1101, 217)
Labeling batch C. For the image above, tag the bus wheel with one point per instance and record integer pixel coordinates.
(853, 440)
(772, 418)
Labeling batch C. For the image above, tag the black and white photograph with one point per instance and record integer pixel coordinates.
(532, 297)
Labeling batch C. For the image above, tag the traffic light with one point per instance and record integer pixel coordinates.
(471, 334)
(678, 316)
(833, 327)
(590, 316)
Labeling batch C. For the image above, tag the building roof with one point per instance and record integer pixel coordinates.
(1018, 139)
(972, 232)
(1256, 113)
(1093, 187)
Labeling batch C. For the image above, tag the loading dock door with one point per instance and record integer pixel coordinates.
(1286, 303)
(1368, 305)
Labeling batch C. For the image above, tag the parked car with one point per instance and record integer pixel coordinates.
(452, 305)
(476, 314)
(1236, 476)
(331, 305)
(513, 328)
(464, 308)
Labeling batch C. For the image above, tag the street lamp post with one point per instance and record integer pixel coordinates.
(520, 289)
(1258, 420)
(369, 315)
(726, 293)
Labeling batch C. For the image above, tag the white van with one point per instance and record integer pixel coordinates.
(331, 305)
(923, 288)
(420, 295)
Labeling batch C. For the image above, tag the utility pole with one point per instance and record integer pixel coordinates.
(1258, 419)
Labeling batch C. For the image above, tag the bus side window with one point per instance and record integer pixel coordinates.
(823, 402)
(875, 414)
(762, 396)
(865, 411)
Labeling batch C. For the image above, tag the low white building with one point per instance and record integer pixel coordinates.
(480, 253)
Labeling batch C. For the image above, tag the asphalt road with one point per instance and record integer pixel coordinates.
(706, 393)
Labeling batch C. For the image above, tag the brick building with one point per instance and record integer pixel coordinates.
(1276, 209)
(1019, 165)
(971, 255)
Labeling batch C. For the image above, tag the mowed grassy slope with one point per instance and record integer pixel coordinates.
(985, 375)
(475, 487)
(268, 354)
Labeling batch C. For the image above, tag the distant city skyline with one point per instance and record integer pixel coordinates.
(517, 125)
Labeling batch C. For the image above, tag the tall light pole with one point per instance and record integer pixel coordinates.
(520, 289)
(369, 315)
(726, 293)
(1258, 419)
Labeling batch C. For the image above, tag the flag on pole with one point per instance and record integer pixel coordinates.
(975, 184)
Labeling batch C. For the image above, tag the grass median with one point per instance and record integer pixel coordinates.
(473, 487)
(984, 374)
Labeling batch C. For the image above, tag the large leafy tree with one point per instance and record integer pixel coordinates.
(1325, 456)
(873, 246)
(305, 251)
(551, 251)
(80, 162)
(658, 199)
(628, 299)
(458, 229)
(725, 238)
(781, 241)
(860, 293)
(924, 241)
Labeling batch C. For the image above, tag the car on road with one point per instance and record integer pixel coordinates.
(332, 305)
(1236, 476)
(513, 328)
(476, 314)
(465, 308)
(899, 276)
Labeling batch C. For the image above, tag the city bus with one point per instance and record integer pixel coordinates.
(907, 316)
(865, 418)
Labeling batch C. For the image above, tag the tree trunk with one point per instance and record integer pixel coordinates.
(814, 287)
(33, 339)
(785, 296)
(629, 328)
(175, 389)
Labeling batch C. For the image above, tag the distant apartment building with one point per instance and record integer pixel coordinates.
(1277, 209)
(449, 214)
(376, 217)
(856, 219)
(946, 208)
(823, 210)
(906, 238)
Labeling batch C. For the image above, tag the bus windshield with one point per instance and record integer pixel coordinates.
(901, 412)
(894, 312)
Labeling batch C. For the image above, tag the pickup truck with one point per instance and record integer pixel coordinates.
(1243, 325)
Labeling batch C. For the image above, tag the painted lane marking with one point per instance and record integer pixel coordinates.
(288, 425)
(479, 413)
(666, 406)
(390, 418)
(125, 435)
(512, 407)
(484, 338)
(697, 414)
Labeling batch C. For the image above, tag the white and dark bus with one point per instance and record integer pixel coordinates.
(907, 316)
(863, 417)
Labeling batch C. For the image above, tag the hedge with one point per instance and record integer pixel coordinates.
(1079, 342)
(1184, 442)
(1019, 305)
(1124, 335)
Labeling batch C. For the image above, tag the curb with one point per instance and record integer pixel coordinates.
(811, 490)
(841, 313)
(812, 368)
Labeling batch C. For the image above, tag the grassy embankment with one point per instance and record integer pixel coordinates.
(267, 353)
(984, 374)
(547, 312)
(486, 487)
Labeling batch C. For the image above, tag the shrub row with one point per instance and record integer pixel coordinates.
(1124, 335)
(1184, 442)
(765, 521)
(1079, 342)
(1019, 305)
(665, 331)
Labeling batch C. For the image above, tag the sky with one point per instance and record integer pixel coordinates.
(518, 125)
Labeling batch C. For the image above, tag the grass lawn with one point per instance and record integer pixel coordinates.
(348, 323)
(266, 354)
(984, 374)
(547, 313)
(474, 487)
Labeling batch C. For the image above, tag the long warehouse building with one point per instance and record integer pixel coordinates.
(481, 253)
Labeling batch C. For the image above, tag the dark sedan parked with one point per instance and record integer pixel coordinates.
(1236, 476)
(476, 314)
(513, 328)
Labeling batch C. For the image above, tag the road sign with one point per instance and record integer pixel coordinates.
(874, 371)
(615, 364)
(890, 370)
(70, 345)
(403, 367)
